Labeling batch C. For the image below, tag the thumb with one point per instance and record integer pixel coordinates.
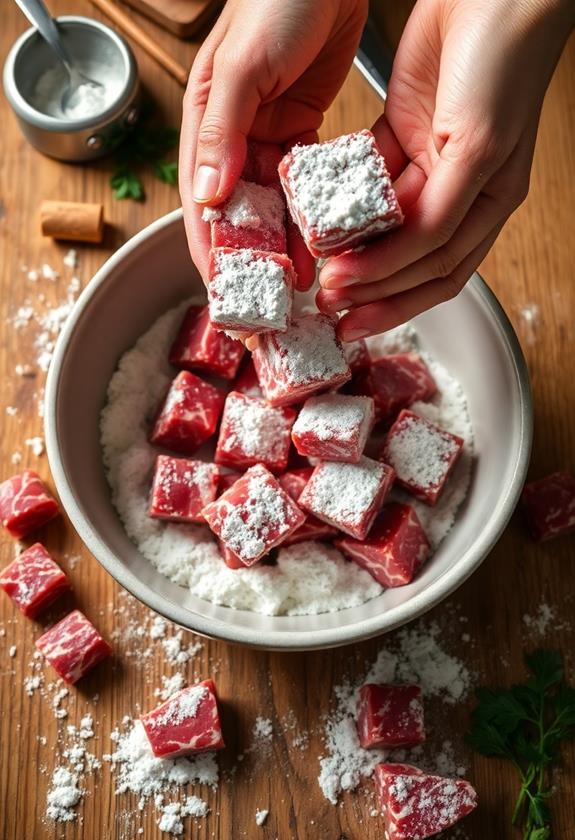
(233, 101)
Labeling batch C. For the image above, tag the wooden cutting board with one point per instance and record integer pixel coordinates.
(182, 17)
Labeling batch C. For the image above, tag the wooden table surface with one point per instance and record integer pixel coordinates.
(530, 269)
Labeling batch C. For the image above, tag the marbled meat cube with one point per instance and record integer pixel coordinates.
(356, 354)
(252, 217)
(416, 805)
(390, 716)
(334, 427)
(300, 362)
(347, 496)
(254, 515)
(247, 381)
(73, 646)
(189, 414)
(26, 504)
(395, 548)
(181, 489)
(33, 580)
(422, 455)
(250, 291)
(397, 381)
(187, 722)
(253, 432)
(199, 346)
(549, 506)
(293, 482)
(339, 192)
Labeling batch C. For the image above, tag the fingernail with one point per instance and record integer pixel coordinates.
(336, 281)
(353, 335)
(206, 183)
(337, 305)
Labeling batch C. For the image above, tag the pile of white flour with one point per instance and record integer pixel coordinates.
(309, 578)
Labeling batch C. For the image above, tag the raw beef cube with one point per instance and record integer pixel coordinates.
(231, 560)
(187, 722)
(293, 482)
(395, 548)
(339, 192)
(356, 354)
(549, 506)
(254, 515)
(247, 381)
(390, 716)
(252, 217)
(189, 414)
(253, 432)
(262, 161)
(33, 580)
(73, 646)
(307, 358)
(347, 496)
(416, 805)
(250, 290)
(422, 455)
(396, 381)
(199, 346)
(226, 480)
(334, 427)
(182, 488)
(25, 504)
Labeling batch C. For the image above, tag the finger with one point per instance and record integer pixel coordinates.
(224, 121)
(395, 158)
(303, 262)
(197, 231)
(451, 188)
(486, 214)
(375, 318)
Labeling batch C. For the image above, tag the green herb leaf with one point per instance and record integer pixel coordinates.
(165, 171)
(546, 667)
(527, 724)
(127, 184)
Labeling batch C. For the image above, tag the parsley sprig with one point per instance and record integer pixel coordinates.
(527, 724)
(144, 146)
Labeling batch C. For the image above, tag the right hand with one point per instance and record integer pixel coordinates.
(268, 70)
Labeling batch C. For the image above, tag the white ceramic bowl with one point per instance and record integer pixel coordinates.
(470, 335)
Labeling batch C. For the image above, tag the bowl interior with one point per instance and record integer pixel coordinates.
(469, 335)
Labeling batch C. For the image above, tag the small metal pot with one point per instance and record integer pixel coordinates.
(83, 138)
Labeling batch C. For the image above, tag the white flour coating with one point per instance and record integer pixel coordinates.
(341, 185)
(180, 707)
(255, 427)
(249, 291)
(333, 415)
(419, 453)
(343, 492)
(307, 352)
(414, 655)
(309, 578)
(63, 796)
(250, 206)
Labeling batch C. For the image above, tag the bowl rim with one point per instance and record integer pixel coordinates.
(286, 640)
(25, 111)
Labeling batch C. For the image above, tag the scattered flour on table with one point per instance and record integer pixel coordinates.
(414, 655)
(308, 578)
(261, 816)
(543, 621)
(153, 779)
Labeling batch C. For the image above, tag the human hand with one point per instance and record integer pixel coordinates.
(268, 70)
(458, 135)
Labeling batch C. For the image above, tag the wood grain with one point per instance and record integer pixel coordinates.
(530, 267)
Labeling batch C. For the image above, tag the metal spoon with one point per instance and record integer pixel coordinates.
(38, 15)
